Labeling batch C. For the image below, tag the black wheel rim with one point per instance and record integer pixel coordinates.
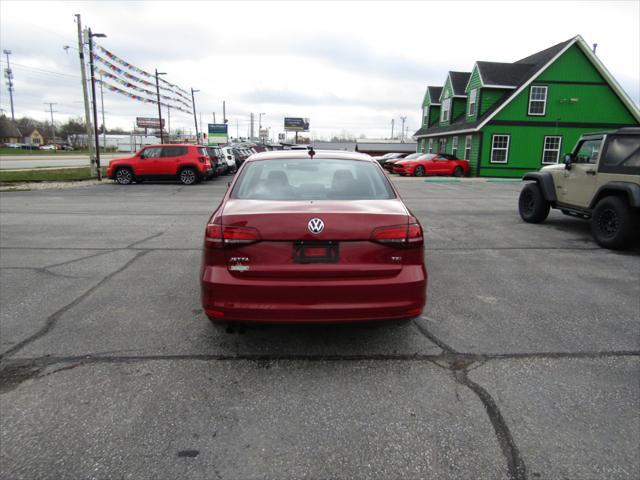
(457, 172)
(528, 202)
(419, 171)
(609, 222)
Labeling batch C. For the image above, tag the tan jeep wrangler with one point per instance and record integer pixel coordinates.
(600, 181)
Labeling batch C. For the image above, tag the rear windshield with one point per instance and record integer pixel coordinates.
(307, 179)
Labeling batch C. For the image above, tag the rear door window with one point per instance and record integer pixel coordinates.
(622, 155)
(312, 179)
(174, 151)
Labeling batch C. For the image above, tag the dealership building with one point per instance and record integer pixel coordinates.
(511, 118)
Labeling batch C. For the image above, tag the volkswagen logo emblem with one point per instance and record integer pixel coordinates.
(315, 226)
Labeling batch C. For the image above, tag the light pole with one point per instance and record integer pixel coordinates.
(260, 126)
(104, 126)
(159, 106)
(93, 95)
(9, 75)
(195, 119)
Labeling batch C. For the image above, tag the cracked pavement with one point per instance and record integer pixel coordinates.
(524, 365)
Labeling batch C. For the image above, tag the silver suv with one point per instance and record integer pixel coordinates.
(599, 181)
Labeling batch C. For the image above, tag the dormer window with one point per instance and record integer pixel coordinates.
(445, 114)
(425, 116)
(538, 100)
(472, 102)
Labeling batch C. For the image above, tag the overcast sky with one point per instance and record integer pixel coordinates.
(349, 66)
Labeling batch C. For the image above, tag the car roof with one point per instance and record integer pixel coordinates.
(332, 154)
(173, 145)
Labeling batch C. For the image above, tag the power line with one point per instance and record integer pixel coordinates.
(41, 70)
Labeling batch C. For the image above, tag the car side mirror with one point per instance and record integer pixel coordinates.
(567, 161)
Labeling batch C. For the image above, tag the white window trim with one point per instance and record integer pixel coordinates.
(454, 146)
(431, 145)
(544, 105)
(468, 145)
(544, 142)
(506, 157)
(425, 116)
(473, 97)
(445, 110)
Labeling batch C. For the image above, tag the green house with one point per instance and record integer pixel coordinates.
(511, 118)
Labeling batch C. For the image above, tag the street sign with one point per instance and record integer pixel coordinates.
(147, 122)
(296, 124)
(218, 133)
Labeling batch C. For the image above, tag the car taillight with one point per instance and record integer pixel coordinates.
(219, 236)
(399, 235)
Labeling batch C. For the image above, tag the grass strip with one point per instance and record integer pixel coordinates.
(52, 175)
(444, 179)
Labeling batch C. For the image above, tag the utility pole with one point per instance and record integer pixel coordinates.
(159, 105)
(169, 121)
(214, 117)
(195, 119)
(93, 96)
(402, 131)
(104, 126)
(224, 112)
(251, 126)
(53, 128)
(87, 114)
(9, 74)
(393, 121)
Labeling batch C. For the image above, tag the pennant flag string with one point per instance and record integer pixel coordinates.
(131, 86)
(112, 88)
(124, 63)
(120, 71)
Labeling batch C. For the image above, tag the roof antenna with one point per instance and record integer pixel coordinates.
(595, 45)
(312, 152)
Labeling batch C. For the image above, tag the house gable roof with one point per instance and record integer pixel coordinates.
(532, 66)
(433, 95)
(8, 129)
(28, 131)
(497, 74)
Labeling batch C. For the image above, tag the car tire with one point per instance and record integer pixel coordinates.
(532, 205)
(458, 172)
(124, 176)
(188, 176)
(612, 223)
(419, 171)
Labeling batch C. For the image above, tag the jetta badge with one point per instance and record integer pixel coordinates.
(316, 226)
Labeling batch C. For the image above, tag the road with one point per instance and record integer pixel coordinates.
(524, 365)
(18, 162)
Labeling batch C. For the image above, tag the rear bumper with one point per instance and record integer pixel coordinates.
(227, 297)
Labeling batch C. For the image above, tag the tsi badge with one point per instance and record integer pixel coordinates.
(237, 264)
(315, 226)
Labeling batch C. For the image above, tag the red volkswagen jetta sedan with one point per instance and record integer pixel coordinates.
(303, 236)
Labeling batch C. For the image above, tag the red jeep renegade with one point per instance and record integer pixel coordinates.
(188, 163)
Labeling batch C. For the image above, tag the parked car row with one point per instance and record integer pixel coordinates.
(26, 146)
(185, 162)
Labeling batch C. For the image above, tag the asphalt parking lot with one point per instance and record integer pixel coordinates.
(525, 363)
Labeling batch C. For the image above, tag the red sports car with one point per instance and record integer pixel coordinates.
(432, 164)
(312, 237)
